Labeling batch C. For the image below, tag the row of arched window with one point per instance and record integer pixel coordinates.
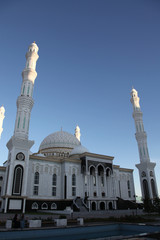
(100, 170)
(101, 206)
(146, 189)
(44, 206)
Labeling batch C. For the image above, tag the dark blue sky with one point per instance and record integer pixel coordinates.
(91, 54)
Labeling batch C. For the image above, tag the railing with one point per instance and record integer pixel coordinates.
(75, 204)
(84, 204)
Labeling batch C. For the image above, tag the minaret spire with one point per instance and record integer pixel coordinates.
(146, 168)
(2, 111)
(77, 132)
(25, 101)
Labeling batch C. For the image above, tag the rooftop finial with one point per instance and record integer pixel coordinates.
(77, 133)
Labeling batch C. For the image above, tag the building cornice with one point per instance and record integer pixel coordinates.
(55, 159)
(2, 168)
(88, 154)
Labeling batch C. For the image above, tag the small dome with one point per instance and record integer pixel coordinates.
(59, 139)
(79, 150)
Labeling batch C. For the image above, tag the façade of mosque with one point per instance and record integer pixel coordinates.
(63, 173)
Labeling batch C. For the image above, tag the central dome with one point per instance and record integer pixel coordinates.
(59, 140)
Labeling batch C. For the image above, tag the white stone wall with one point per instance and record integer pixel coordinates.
(2, 181)
(46, 169)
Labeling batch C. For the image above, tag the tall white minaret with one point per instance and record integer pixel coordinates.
(77, 132)
(25, 101)
(2, 111)
(145, 167)
(19, 145)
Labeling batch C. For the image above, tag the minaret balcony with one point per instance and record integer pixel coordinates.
(141, 136)
(29, 74)
(25, 102)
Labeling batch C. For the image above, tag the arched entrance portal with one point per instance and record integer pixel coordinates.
(145, 189)
(93, 206)
(153, 189)
(110, 206)
(102, 206)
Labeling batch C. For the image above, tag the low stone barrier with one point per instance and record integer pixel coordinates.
(80, 221)
(8, 224)
(60, 222)
(35, 223)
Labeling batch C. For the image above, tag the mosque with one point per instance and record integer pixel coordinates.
(63, 173)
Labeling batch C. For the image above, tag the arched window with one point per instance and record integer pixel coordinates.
(128, 184)
(102, 206)
(18, 122)
(34, 205)
(17, 182)
(108, 172)
(23, 89)
(95, 194)
(129, 188)
(44, 206)
(54, 206)
(93, 206)
(143, 174)
(28, 90)
(73, 180)
(54, 184)
(54, 180)
(100, 170)
(103, 194)
(151, 173)
(73, 185)
(145, 188)
(36, 178)
(92, 173)
(153, 189)
(36, 182)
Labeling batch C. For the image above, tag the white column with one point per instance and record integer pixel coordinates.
(97, 183)
(6, 203)
(24, 205)
(88, 175)
(105, 183)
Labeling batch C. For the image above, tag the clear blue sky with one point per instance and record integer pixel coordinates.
(91, 54)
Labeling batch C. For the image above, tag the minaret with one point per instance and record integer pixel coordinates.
(2, 111)
(77, 132)
(19, 146)
(145, 167)
(25, 101)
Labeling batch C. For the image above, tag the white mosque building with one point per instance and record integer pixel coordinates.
(63, 172)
